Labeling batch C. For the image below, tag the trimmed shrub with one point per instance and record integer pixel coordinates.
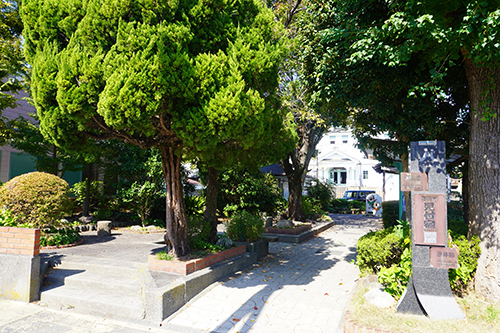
(37, 198)
(245, 227)
(468, 255)
(390, 213)
(379, 249)
(338, 205)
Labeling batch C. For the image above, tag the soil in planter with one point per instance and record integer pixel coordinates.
(295, 231)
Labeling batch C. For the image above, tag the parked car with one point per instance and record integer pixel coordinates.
(357, 195)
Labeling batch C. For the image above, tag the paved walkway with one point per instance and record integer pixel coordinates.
(297, 288)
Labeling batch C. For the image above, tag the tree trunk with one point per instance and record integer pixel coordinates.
(484, 176)
(177, 230)
(295, 199)
(210, 213)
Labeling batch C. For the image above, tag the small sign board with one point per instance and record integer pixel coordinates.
(413, 181)
(429, 219)
(444, 257)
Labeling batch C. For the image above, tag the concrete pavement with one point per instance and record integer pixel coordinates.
(297, 288)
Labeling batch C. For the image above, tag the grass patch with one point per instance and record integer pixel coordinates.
(480, 316)
(162, 255)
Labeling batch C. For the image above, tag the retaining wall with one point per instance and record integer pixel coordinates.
(19, 264)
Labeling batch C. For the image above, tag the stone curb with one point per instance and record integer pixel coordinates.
(300, 238)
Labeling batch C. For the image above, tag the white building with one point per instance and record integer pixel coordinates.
(343, 165)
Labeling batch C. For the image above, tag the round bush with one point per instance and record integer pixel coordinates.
(37, 198)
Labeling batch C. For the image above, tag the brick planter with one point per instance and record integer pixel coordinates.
(20, 260)
(193, 265)
(19, 241)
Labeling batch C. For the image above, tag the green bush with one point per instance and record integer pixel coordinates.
(395, 278)
(337, 205)
(194, 204)
(198, 230)
(245, 227)
(311, 206)
(140, 198)
(97, 197)
(390, 213)
(468, 254)
(252, 192)
(357, 205)
(54, 237)
(379, 249)
(321, 191)
(37, 198)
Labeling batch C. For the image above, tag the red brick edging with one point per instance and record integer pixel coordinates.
(193, 265)
(19, 241)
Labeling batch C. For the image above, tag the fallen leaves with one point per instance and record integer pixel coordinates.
(236, 320)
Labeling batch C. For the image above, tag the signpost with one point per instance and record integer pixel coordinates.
(428, 291)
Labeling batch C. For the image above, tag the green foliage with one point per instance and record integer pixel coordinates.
(357, 205)
(399, 73)
(49, 158)
(140, 198)
(195, 205)
(379, 249)
(162, 255)
(321, 191)
(395, 278)
(62, 236)
(468, 255)
(198, 230)
(338, 205)
(37, 198)
(7, 219)
(390, 213)
(97, 197)
(311, 206)
(12, 64)
(252, 192)
(245, 227)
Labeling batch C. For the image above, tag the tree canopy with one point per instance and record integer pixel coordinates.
(411, 57)
(12, 65)
(181, 76)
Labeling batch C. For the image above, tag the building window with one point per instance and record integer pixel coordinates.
(365, 174)
(345, 138)
(332, 139)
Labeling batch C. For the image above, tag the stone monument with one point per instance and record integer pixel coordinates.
(428, 291)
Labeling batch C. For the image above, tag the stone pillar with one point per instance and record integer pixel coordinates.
(428, 291)
(19, 264)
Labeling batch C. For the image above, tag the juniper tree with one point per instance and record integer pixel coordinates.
(177, 75)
